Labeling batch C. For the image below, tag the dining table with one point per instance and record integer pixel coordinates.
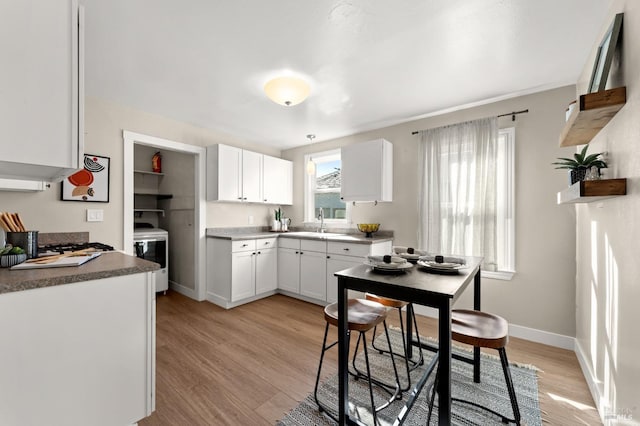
(421, 286)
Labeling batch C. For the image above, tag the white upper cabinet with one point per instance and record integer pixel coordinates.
(235, 174)
(277, 181)
(41, 89)
(367, 171)
(251, 176)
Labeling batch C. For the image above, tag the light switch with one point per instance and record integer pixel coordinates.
(95, 215)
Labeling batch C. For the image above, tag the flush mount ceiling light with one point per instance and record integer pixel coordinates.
(311, 166)
(287, 91)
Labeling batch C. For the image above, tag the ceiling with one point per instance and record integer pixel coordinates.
(370, 63)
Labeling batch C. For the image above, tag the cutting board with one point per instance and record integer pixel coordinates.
(62, 262)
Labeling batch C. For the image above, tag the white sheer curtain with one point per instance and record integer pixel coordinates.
(457, 198)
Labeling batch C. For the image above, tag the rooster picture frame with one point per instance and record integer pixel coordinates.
(90, 183)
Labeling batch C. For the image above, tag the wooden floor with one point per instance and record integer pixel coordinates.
(252, 364)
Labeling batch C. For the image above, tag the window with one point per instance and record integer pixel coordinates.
(322, 190)
(467, 194)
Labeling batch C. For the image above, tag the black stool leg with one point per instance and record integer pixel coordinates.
(507, 378)
(366, 358)
(415, 327)
(324, 349)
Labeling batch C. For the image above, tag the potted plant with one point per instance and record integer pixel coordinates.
(580, 164)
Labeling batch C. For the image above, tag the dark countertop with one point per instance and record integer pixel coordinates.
(109, 264)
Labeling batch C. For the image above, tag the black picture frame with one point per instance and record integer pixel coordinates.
(89, 184)
(604, 57)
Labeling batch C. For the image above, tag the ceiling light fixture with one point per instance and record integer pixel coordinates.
(311, 166)
(287, 91)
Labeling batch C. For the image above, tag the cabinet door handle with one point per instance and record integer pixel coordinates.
(297, 252)
(259, 252)
(301, 252)
(328, 257)
(244, 198)
(253, 253)
(245, 245)
(267, 243)
(239, 198)
(265, 200)
(345, 249)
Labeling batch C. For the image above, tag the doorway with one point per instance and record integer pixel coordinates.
(183, 214)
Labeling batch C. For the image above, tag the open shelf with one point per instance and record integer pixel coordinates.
(593, 112)
(155, 194)
(140, 211)
(145, 172)
(588, 191)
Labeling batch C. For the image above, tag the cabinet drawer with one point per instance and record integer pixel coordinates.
(266, 243)
(290, 243)
(348, 249)
(313, 245)
(243, 245)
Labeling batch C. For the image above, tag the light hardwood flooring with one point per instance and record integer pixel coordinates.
(252, 364)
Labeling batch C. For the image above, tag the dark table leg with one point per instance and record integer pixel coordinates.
(476, 306)
(343, 353)
(409, 331)
(444, 363)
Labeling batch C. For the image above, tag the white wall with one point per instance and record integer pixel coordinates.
(608, 261)
(542, 293)
(104, 122)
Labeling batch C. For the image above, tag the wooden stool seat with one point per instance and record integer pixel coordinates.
(479, 329)
(390, 303)
(363, 314)
(483, 330)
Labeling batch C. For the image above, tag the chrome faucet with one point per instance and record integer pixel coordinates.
(321, 218)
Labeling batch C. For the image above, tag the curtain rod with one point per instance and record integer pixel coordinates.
(512, 114)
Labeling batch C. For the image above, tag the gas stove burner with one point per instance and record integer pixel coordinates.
(70, 247)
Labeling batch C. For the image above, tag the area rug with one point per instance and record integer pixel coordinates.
(491, 392)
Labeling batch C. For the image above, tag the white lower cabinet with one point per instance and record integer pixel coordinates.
(313, 270)
(306, 267)
(289, 268)
(79, 354)
(347, 255)
(240, 271)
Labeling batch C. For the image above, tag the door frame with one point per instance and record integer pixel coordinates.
(132, 138)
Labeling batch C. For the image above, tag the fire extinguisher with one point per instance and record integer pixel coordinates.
(156, 163)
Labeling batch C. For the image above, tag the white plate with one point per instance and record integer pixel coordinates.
(441, 266)
(390, 266)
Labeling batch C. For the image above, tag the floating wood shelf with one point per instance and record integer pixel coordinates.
(588, 191)
(593, 112)
(140, 211)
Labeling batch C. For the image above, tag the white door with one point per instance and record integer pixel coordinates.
(251, 176)
(277, 180)
(289, 270)
(337, 263)
(266, 270)
(41, 89)
(313, 273)
(243, 283)
(229, 173)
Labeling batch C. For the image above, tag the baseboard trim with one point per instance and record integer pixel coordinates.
(531, 334)
(592, 382)
(186, 291)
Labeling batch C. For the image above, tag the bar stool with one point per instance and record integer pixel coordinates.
(399, 304)
(483, 330)
(363, 316)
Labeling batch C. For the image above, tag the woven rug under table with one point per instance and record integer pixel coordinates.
(491, 392)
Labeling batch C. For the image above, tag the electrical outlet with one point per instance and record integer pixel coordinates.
(95, 215)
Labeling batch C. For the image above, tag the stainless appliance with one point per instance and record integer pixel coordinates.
(153, 244)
